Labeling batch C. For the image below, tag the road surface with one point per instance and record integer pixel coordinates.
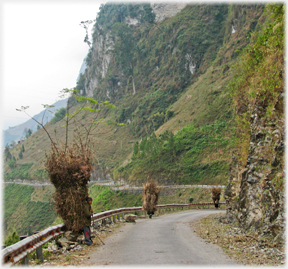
(164, 240)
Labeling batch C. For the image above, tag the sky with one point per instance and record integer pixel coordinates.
(42, 50)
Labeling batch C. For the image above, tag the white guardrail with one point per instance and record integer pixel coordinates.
(16, 252)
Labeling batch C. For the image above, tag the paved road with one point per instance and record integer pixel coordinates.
(164, 240)
(126, 187)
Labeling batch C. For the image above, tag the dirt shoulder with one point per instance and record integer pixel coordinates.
(76, 256)
(245, 247)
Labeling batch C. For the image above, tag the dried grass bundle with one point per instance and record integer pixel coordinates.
(69, 171)
(151, 196)
(216, 193)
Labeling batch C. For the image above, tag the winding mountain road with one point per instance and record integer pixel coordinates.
(163, 240)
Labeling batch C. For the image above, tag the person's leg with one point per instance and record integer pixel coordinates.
(87, 235)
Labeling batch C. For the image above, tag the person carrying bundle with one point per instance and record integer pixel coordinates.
(216, 192)
(150, 198)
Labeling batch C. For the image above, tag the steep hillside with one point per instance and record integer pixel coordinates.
(255, 192)
(26, 210)
(163, 74)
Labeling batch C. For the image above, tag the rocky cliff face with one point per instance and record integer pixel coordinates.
(101, 56)
(166, 10)
(255, 193)
(103, 45)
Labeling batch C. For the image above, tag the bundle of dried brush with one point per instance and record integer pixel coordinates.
(216, 193)
(151, 196)
(69, 171)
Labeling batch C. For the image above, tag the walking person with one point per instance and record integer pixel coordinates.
(87, 221)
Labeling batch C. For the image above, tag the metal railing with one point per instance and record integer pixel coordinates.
(18, 251)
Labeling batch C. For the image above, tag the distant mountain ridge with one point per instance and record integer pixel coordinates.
(15, 133)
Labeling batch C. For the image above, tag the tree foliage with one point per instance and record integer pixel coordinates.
(12, 239)
(59, 115)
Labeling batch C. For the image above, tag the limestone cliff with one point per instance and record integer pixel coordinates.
(101, 51)
(255, 193)
(166, 10)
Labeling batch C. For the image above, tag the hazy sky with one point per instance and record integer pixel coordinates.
(42, 49)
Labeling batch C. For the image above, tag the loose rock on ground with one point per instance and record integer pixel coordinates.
(246, 247)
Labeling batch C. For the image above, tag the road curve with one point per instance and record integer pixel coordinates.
(164, 240)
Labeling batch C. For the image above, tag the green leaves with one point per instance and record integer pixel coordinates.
(59, 115)
(92, 101)
(23, 108)
(83, 99)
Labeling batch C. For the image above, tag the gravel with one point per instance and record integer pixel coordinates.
(245, 247)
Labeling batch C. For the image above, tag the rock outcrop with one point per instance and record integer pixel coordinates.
(166, 10)
(255, 193)
(103, 44)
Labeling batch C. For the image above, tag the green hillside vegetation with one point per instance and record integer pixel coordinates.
(187, 195)
(105, 199)
(258, 79)
(59, 115)
(178, 158)
(22, 214)
(158, 57)
(191, 114)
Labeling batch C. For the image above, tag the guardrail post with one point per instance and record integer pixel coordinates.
(114, 219)
(118, 217)
(25, 260)
(39, 254)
